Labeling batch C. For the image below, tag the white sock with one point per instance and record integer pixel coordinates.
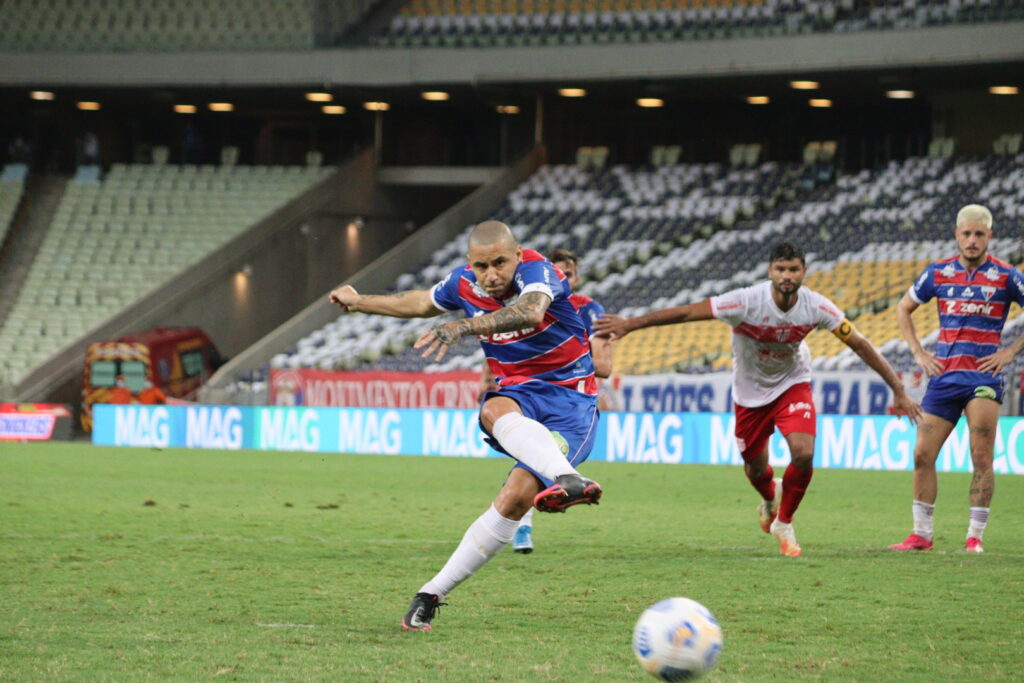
(923, 513)
(527, 519)
(530, 442)
(979, 518)
(484, 538)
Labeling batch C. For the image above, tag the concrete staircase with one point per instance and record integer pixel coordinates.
(38, 205)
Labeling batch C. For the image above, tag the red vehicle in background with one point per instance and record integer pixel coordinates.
(176, 360)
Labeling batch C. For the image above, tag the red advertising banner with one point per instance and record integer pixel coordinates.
(456, 389)
(32, 421)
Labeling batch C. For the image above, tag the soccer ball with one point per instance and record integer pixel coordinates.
(677, 639)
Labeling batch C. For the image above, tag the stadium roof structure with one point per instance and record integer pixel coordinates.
(976, 44)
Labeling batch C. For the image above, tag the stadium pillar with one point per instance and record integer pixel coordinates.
(538, 123)
(378, 136)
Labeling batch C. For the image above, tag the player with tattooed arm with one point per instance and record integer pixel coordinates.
(543, 412)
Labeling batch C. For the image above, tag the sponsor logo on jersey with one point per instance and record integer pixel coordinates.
(798, 406)
(499, 337)
(949, 270)
(956, 307)
(950, 291)
(992, 273)
(479, 291)
(987, 292)
(968, 292)
(920, 280)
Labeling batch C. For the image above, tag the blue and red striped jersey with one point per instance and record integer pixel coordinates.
(588, 309)
(972, 307)
(556, 351)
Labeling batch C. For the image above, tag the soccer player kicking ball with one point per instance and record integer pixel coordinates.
(771, 375)
(600, 350)
(974, 292)
(518, 305)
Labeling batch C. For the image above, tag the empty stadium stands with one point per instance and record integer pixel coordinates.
(663, 236)
(12, 183)
(112, 242)
(488, 23)
(154, 25)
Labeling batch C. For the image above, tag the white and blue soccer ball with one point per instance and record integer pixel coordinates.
(677, 639)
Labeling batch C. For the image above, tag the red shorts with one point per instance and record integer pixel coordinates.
(791, 412)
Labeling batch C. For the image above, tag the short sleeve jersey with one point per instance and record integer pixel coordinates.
(972, 307)
(556, 351)
(768, 350)
(588, 309)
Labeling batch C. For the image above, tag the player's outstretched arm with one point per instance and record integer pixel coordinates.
(614, 327)
(902, 404)
(413, 303)
(527, 312)
(928, 362)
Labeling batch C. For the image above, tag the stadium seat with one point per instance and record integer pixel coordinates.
(144, 223)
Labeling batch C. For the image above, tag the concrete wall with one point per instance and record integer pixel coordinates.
(946, 45)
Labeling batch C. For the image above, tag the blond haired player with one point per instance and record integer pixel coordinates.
(974, 291)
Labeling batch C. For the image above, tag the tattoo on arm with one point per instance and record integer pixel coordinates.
(516, 317)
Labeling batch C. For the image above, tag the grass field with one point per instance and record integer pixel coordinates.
(298, 567)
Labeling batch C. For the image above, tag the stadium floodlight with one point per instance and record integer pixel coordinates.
(43, 95)
(89, 106)
(899, 94)
(435, 95)
(221, 106)
(572, 92)
(650, 102)
(333, 109)
(758, 99)
(820, 103)
(185, 108)
(507, 109)
(804, 85)
(319, 97)
(376, 106)
(1004, 90)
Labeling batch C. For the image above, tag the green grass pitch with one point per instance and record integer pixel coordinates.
(298, 567)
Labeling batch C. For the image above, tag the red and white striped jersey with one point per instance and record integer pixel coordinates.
(769, 354)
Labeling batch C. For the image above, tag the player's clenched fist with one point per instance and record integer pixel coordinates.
(345, 296)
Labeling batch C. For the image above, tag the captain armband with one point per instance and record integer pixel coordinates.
(844, 330)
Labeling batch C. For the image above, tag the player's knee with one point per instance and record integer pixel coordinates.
(923, 459)
(802, 459)
(755, 469)
(513, 502)
(490, 411)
